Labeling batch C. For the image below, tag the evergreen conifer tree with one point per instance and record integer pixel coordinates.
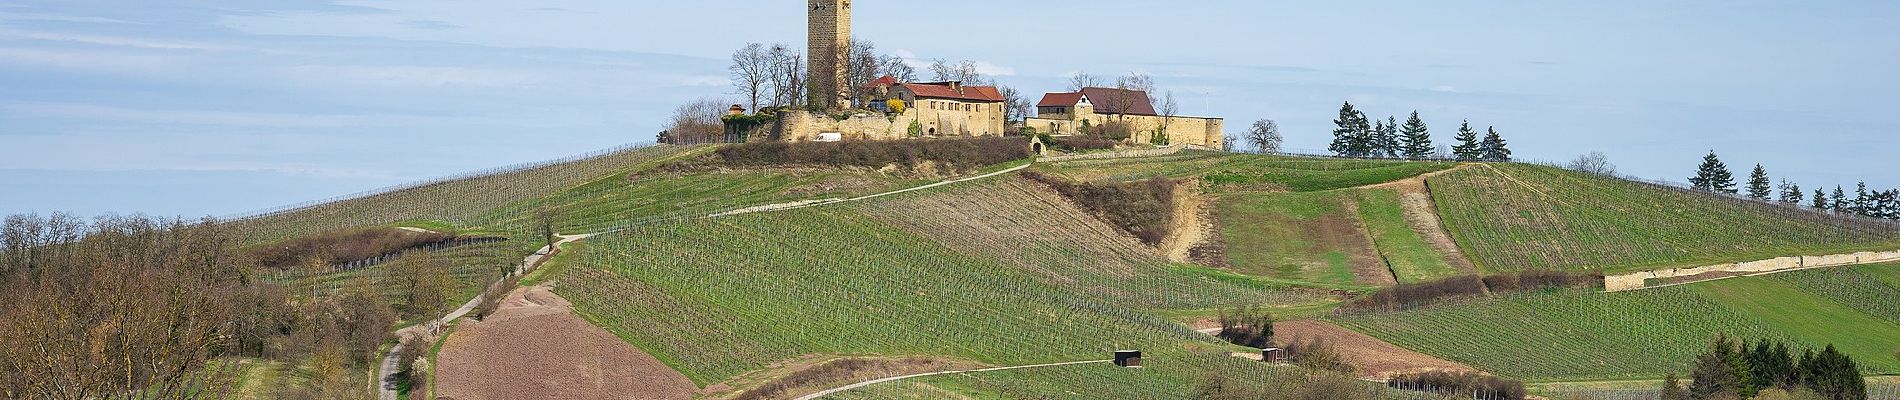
(1346, 137)
(1833, 375)
(1840, 203)
(1790, 192)
(1758, 184)
(1713, 176)
(1468, 148)
(1389, 141)
(1672, 388)
(1415, 138)
(1494, 148)
(1863, 204)
(1820, 200)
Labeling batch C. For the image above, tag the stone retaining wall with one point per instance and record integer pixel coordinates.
(1155, 152)
(1637, 280)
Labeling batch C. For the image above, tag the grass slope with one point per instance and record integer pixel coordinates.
(1411, 258)
(1515, 217)
(1581, 335)
(717, 298)
(1246, 172)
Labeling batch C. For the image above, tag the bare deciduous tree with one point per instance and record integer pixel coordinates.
(1015, 106)
(1082, 80)
(963, 71)
(1264, 136)
(863, 67)
(1594, 163)
(1130, 92)
(787, 68)
(751, 72)
(1168, 109)
(698, 122)
(898, 67)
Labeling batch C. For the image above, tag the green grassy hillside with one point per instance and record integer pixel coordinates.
(1515, 217)
(1246, 172)
(1579, 335)
(716, 298)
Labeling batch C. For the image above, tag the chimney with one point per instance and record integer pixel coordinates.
(957, 86)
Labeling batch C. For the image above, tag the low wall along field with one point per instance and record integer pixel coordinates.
(1639, 280)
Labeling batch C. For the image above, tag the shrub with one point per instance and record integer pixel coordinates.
(1141, 208)
(1462, 384)
(492, 297)
(336, 247)
(1115, 130)
(1319, 355)
(1248, 326)
(1543, 279)
(1409, 295)
(954, 153)
(1078, 143)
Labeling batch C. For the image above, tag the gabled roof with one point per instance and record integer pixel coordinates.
(944, 91)
(1110, 100)
(1060, 99)
(882, 81)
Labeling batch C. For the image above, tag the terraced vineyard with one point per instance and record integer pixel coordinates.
(716, 298)
(1578, 335)
(1516, 217)
(461, 201)
(615, 201)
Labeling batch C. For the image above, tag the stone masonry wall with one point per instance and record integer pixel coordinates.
(1638, 280)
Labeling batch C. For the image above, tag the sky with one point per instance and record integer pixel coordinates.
(219, 107)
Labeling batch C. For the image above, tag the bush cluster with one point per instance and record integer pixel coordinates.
(1462, 384)
(1410, 295)
(952, 152)
(1079, 143)
(336, 247)
(1114, 130)
(1539, 280)
(1249, 326)
(1141, 208)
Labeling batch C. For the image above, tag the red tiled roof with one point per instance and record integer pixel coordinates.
(943, 91)
(1110, 100)
(1106, 100)
(1060, 99)
(883, 81)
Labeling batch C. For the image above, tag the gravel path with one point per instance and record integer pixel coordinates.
(828, 392)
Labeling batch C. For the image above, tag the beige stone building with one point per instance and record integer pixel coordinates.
(936, 109)
(1067, 113)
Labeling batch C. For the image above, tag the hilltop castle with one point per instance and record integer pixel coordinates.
(933, 109)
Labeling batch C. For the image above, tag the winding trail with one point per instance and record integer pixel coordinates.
(828, 392)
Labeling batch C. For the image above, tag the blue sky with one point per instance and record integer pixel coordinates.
(213, 107)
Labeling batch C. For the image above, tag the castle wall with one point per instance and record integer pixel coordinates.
(799, 126)
(1195, 131)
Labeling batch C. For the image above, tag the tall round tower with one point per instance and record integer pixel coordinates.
(830, 48)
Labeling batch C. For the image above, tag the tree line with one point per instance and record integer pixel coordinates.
(1712, 175)
(1768, 369)
(1356, 136)
(119, 305)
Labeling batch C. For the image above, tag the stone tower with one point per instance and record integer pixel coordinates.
(830, 42)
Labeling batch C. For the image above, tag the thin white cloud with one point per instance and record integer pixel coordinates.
(183, 117)
(1445, 89)
(705, 80)
(413, 76)
(118, 41)
(991, 69)
(88, 60)
(14, 16)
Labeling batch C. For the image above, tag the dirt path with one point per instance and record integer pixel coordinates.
(534, 347)
(828, 392)
(1375, 359)
(385, 386)
(1421, 212)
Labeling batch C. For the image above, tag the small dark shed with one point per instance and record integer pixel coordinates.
(1128, 358)
(1273, 355)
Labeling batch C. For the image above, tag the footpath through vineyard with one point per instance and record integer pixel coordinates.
(386, 384)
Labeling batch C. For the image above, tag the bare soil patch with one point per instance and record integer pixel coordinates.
(1373, 357)
(1345, 231)
(1189, 225)
(536, 348)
